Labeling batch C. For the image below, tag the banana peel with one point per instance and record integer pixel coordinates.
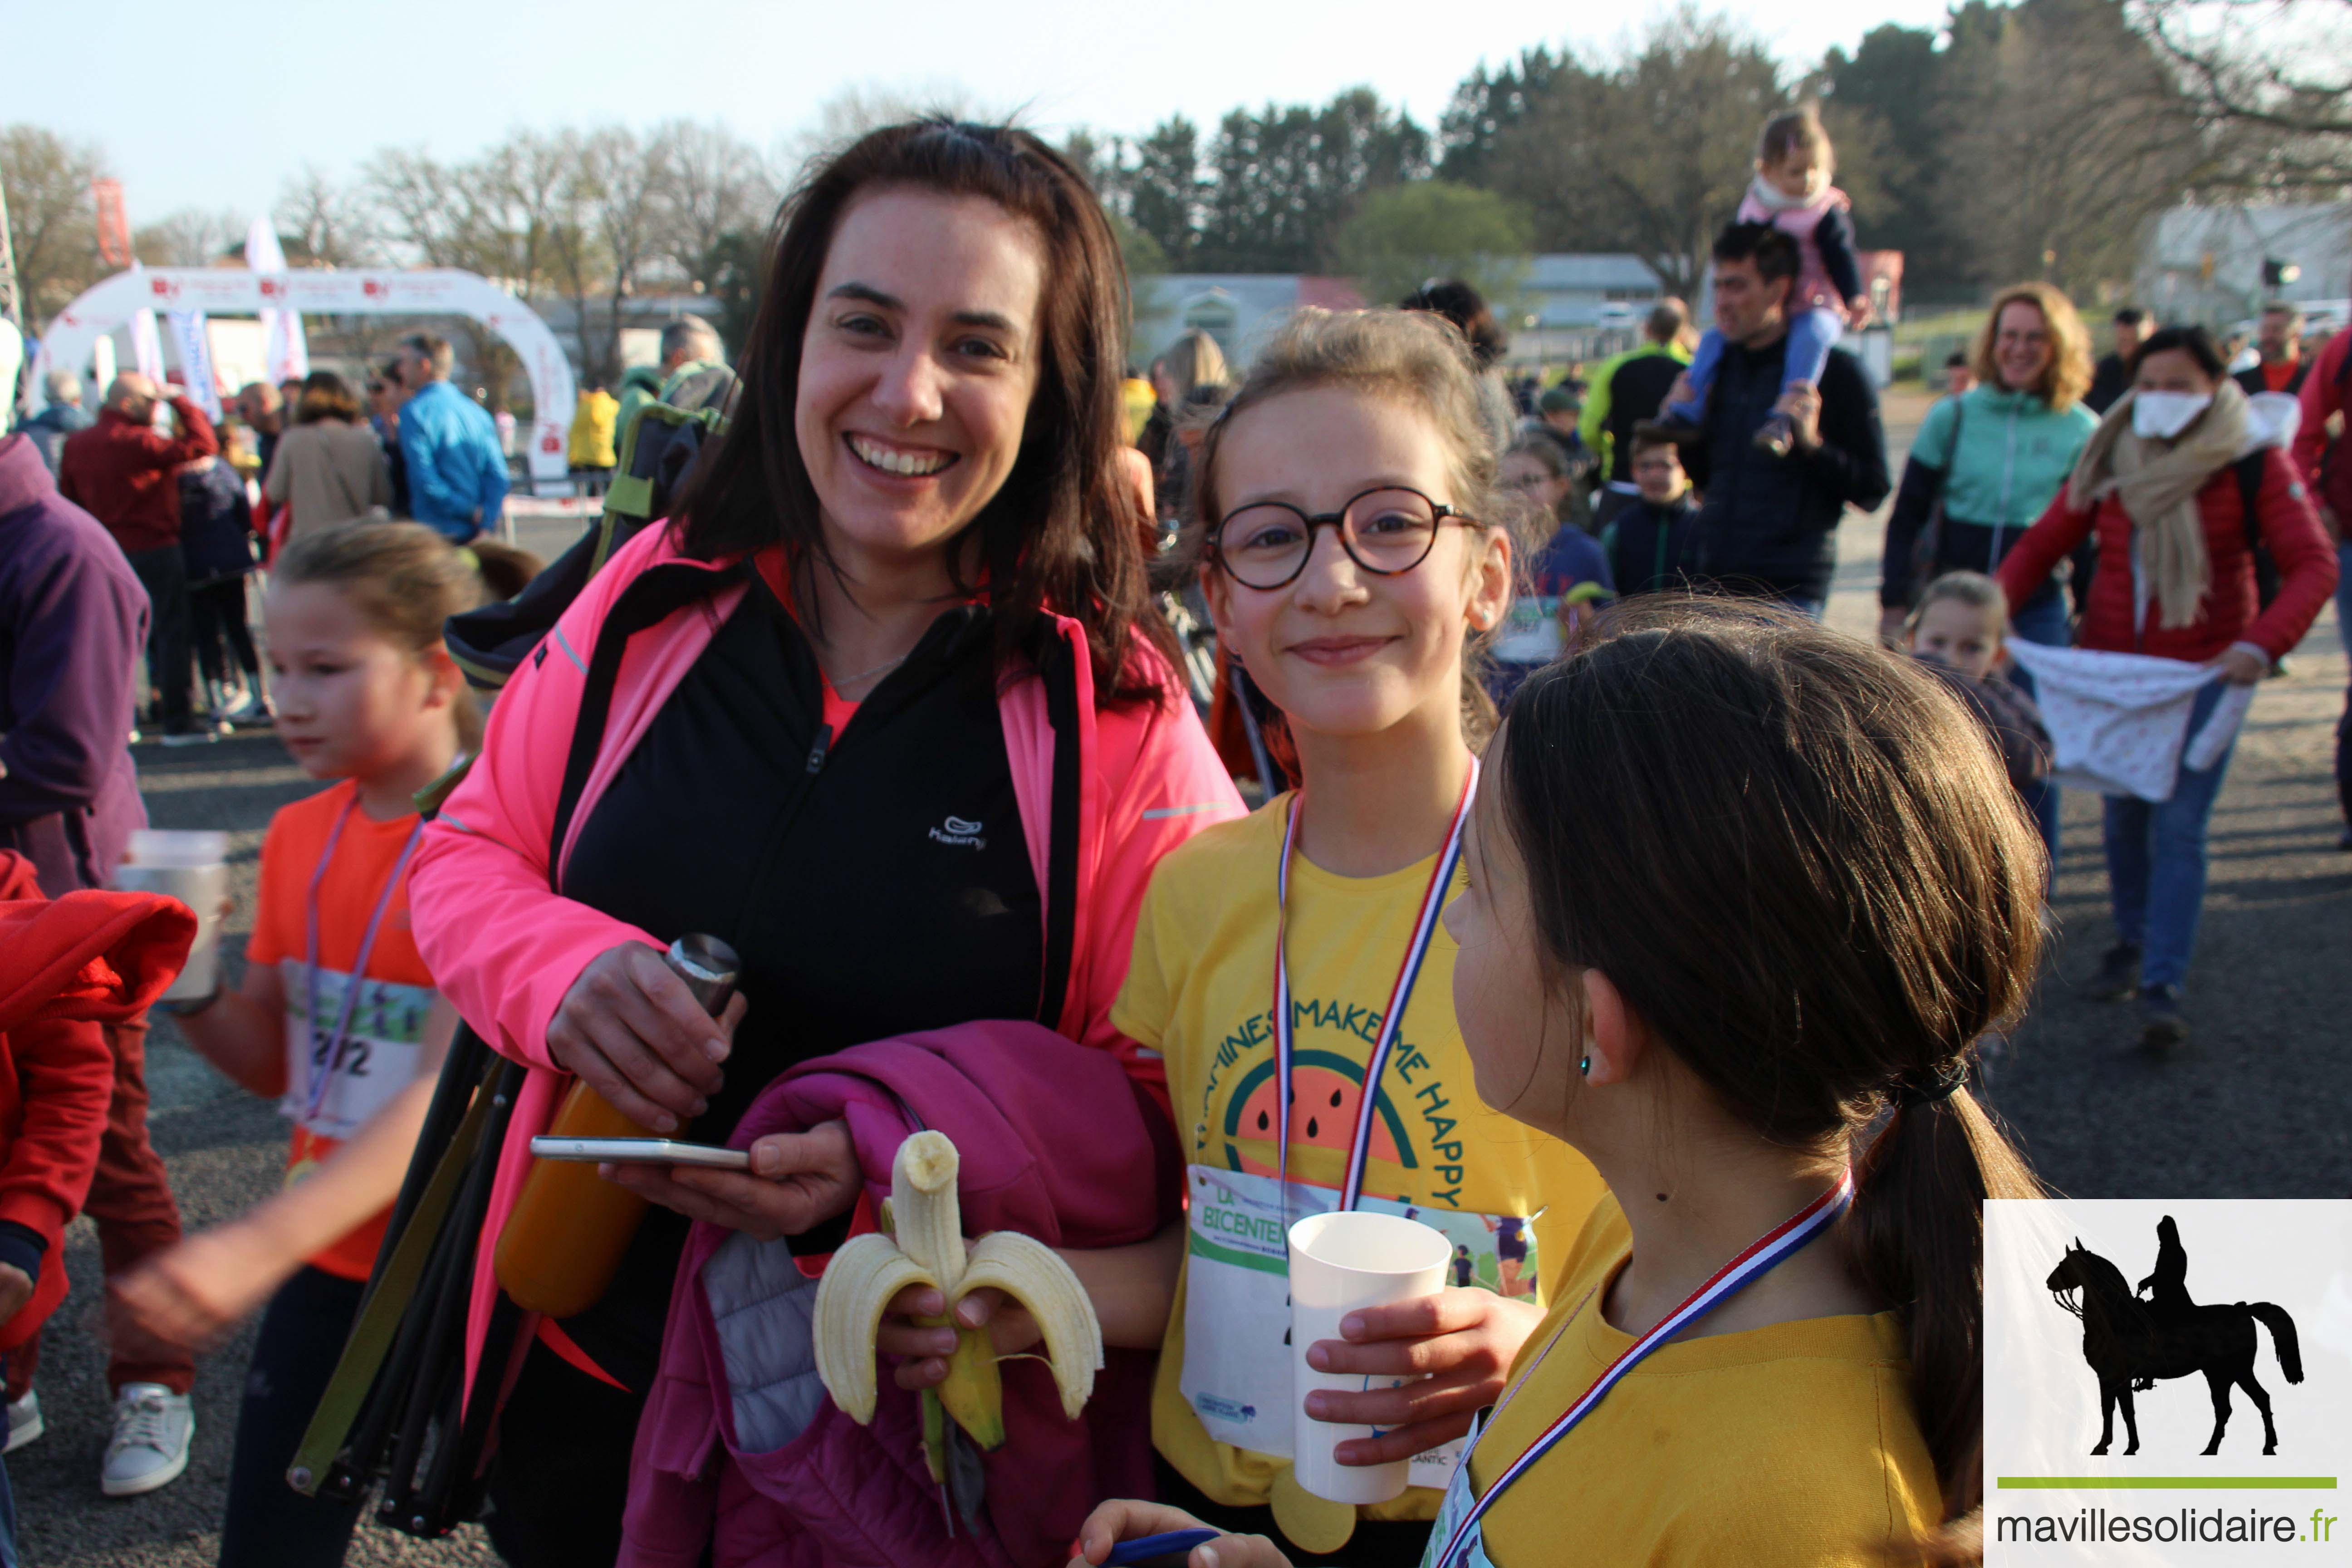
(924, 1244)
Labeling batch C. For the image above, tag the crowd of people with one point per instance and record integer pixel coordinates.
(171, 488)
(1559, 924)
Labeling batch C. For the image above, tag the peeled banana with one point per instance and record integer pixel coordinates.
(928, 1250)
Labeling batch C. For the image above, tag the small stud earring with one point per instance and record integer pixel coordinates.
(1585, 1067)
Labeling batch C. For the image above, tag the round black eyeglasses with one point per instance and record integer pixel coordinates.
(1388, 530)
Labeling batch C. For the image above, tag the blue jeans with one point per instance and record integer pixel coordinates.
(1811, 335)
(2155, 860)
(2041, 619)
(7, 1522)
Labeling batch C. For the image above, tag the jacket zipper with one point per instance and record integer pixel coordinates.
(2008, 472)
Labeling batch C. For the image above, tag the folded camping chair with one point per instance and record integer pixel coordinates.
(396, 1410)
(659, 447)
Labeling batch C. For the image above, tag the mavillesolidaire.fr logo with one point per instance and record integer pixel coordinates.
(2168, 1382)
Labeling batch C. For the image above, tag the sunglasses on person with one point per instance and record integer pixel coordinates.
(1388, 530)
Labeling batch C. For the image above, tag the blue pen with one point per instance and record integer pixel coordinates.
(1167, 1551)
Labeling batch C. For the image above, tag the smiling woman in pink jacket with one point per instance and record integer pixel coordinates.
(886, 707)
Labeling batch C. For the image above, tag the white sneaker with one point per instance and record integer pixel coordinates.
(25, 1424)
(152, 1427)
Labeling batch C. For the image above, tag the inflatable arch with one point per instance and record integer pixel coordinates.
(355, 291)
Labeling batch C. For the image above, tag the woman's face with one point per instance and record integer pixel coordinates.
(918, 367)
(1340, 650)
(2173, 370)
(1524, 476)
(2022, 349)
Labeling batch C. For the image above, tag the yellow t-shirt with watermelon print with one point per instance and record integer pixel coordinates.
(1199, 991)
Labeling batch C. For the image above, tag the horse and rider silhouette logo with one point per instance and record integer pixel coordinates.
(2132, 1342)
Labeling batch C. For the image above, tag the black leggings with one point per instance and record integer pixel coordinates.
(560, 1479)
(269, 1524)
(218, 609)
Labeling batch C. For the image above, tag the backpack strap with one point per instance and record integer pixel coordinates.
(1058, 669)
(2250, 469)
(657, 593)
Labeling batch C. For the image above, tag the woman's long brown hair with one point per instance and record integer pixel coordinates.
(1062, 535)
(1799, 859)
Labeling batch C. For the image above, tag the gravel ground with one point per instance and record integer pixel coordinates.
(2253, 1106)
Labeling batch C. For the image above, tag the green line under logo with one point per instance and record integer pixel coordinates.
(2167, 1483)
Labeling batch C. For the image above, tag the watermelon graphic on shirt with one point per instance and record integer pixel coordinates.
(1327, 1091)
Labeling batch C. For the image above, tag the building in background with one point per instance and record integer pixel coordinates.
(2216, 265)
(1229, 306)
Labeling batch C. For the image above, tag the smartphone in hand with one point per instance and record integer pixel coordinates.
(641, 1152)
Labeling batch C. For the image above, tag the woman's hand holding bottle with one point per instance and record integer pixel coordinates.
(633, 1031)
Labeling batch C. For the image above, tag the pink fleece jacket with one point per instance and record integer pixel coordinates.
(505, 949)
(740, 1452)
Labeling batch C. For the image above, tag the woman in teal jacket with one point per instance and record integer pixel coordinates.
(1987, 463)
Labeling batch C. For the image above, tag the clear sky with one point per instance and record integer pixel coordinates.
(214, 107)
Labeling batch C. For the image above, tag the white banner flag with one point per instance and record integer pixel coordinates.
(288, 351)
(147, 347)
(195, 358)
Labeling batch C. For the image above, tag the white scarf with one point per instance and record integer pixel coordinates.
(1772, 198)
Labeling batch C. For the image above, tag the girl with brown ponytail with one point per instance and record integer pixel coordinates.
(1741, 894)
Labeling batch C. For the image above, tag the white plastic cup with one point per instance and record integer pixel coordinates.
(1341, 1262)
(194, 869)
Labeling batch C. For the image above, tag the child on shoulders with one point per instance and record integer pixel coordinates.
(1791, 191)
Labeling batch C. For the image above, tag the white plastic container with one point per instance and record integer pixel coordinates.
(194, 869)
(1339, 1262)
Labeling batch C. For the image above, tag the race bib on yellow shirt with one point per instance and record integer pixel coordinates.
(1238, 1352)
(1470, 1552)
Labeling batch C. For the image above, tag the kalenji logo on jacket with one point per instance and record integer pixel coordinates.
(960, 833)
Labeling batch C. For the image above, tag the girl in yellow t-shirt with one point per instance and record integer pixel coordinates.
(1741, 893)
(1352, 557)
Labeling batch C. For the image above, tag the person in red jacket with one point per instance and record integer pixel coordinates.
(2165, 485)
(2326, 464)
(67, 970)
(125, 473)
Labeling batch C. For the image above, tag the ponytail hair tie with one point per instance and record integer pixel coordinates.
(1911, 1092)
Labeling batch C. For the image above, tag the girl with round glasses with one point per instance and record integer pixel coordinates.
(1290, 966)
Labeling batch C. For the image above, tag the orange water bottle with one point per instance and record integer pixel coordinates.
(570, 1227)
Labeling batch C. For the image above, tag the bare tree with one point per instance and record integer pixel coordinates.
(2271, 80)
(52, 220)
(2069, 137)
(868, 106)
(189, 238)
(420, 206)
(328, 224)
(626, 177)
(1650, 151)
(719, 187)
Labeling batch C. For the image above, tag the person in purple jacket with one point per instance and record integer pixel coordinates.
(73, 619)
(72, 622)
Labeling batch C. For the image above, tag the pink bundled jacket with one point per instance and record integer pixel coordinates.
(505, 949)
(1813, 290)
(740, 1450)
